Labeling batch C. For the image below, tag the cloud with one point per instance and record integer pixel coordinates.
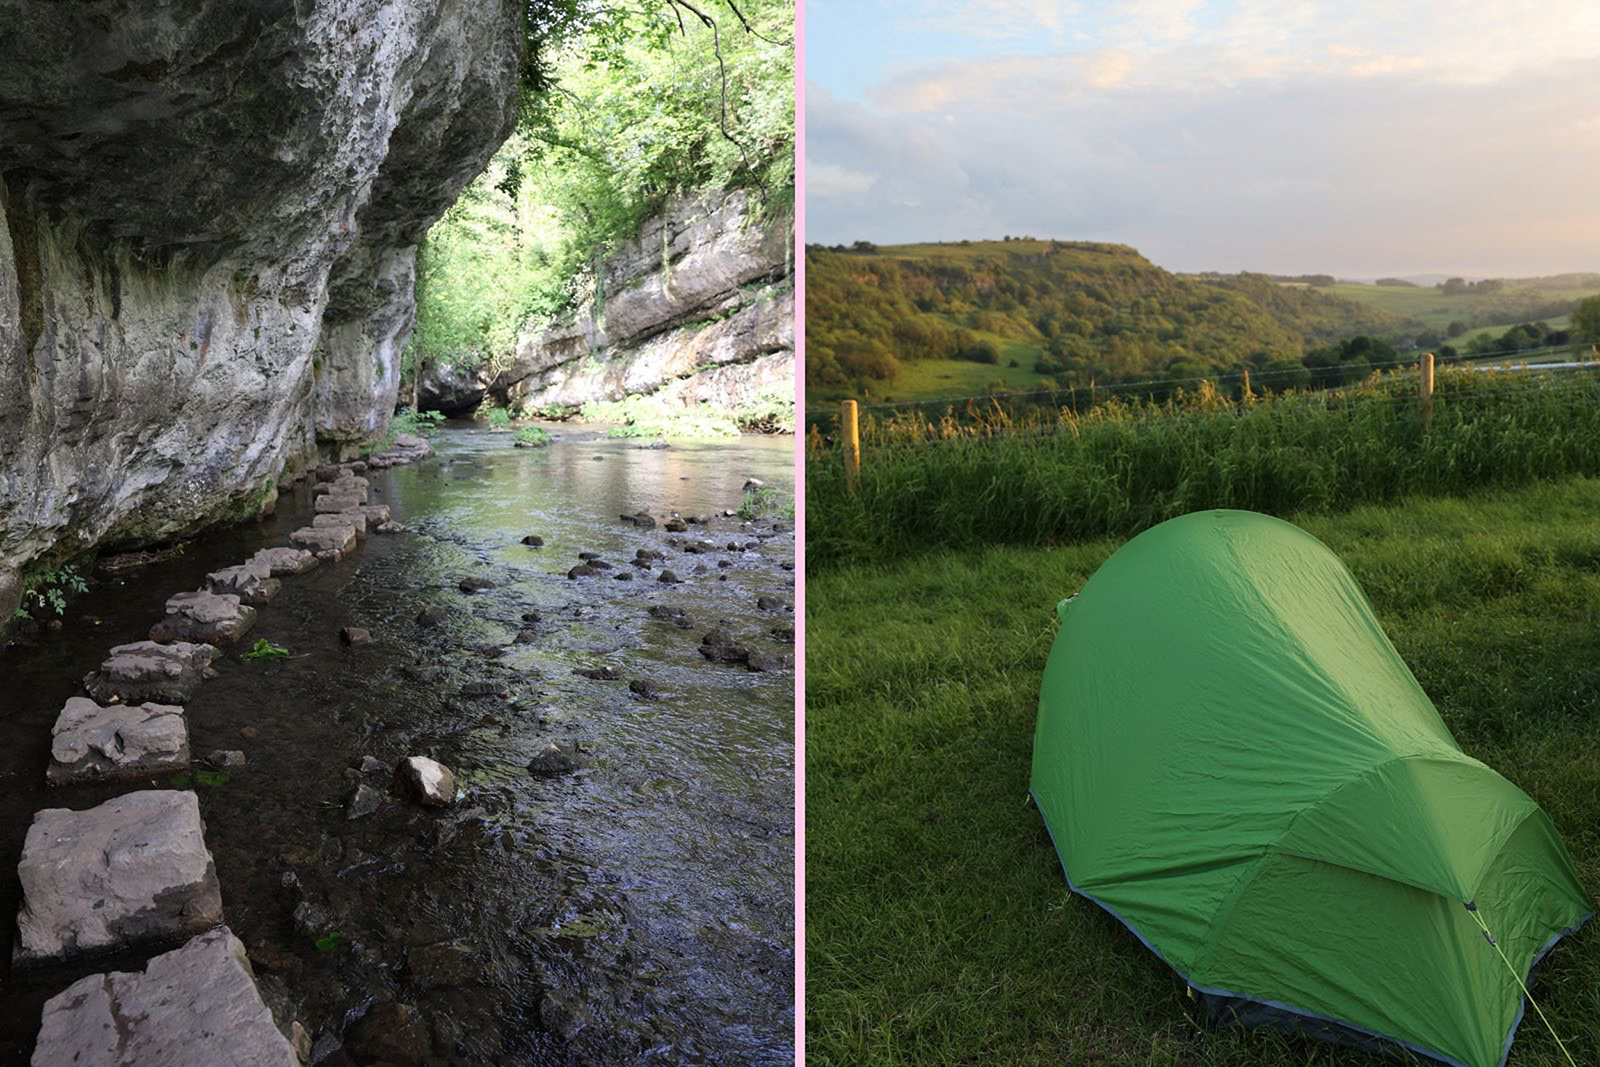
(1265, 134)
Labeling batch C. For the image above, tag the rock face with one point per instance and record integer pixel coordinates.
(208, 219)
(196, 1006)
(145, 670)
(131, 871)
(698, 309)
(91, 743)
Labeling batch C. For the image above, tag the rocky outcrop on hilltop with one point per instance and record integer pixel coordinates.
(698, 309)
(208, 221)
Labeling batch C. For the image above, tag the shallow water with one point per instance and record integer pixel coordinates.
(640, 909)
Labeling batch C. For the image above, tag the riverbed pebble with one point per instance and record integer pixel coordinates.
(354, 635)
(425, 781)
(362, 801)
(145, 670)
(92, 743)
(228, 759)
(131, 871)
(211, 618)
(195, 1006)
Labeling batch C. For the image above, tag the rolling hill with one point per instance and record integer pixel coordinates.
(917, 322)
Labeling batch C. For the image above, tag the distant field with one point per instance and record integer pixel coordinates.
(1433, 306)
(1559, 323)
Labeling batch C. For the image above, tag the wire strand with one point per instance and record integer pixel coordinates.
(1472, 910)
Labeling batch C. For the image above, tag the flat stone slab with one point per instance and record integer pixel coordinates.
(356, 519)
(281, 561)
(376, 514)
(328, 542)
(92, 743)
(196, 1006)
(215, 618)
(344, 483)
(331, 502)
(132, 871)
(251, 582)
(145, 670)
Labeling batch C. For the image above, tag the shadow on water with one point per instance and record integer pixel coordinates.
(640, 909)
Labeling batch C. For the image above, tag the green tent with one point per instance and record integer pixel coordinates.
(1233, 760)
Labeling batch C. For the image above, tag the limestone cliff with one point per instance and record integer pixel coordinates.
(698, 309)
(208, 220)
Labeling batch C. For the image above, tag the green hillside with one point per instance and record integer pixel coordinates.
(924, 321)
(1500, 303)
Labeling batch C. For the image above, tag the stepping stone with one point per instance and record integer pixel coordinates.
(132, 871)
(345, 483)
(251, 582)
(332, 502)
(92, 743)
(195, 1006)
(355, 519)
(145, 670)
(216, 619)
(328, 542)
(376, 514)
(282, 561)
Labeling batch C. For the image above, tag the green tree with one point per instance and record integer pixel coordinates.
(1586, 321)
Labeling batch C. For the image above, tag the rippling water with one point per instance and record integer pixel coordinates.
(640, 909)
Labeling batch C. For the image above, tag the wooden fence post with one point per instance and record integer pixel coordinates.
(1246, 383)
(852, 442)
(1426, 388)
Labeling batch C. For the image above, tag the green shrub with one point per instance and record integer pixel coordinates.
(646, 416)
(536, 436)
(499, 418)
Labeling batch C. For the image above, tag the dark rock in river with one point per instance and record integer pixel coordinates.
(483, 689)
(772, 603)
(432, 615)
(599, 674)
(474, 585)
(533, 541)
(676, 526)
(766, 661)
(719, 646)
(587, 556)
(354, 635)
(391, 1033)
(642, 519)
(669, 578)
(227, 759)
(582, 571)
(552, 762)
(531, 616)
(363, 800)
(644, 689)
(445, 964)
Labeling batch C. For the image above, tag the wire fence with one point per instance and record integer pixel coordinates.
(1241, 384)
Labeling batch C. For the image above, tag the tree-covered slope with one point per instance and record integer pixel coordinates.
(1074, 311)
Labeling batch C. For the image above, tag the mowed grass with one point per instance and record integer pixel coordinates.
(939, 926)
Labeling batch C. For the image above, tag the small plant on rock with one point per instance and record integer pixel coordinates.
(533, 436)
(264, 649)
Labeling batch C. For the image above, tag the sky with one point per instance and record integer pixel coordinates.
(1351, 137)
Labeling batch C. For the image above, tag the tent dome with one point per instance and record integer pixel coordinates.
(1233, 760)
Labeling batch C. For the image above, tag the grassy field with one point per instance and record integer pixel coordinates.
(1119, 468)
(939, 926)
(1437, 309)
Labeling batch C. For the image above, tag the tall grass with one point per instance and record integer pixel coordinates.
(976, 477)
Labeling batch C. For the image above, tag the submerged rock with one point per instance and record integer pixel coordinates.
(644, 689)
(391, 1033)
(533, 541)
(676, 526)
(719, 646)
(599, 674)
(196, 1006)
(391, 527)
(144, 670)
(642, 519)
(425, 781)
(669, 578)
(210, 618)
(131, 871)
(445, 964)
(91, 743)
(583, 570)
(363, 800)
(474, 585)
(432, 615)
(228, 759)
(772, 603)
(354, 635)
(551, 762)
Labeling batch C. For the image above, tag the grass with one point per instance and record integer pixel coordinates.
(648, 416)
(1437, 309)
(534, 436)
(939, 926)
(1118, 468)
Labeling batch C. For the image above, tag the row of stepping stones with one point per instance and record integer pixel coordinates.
(135, 870)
